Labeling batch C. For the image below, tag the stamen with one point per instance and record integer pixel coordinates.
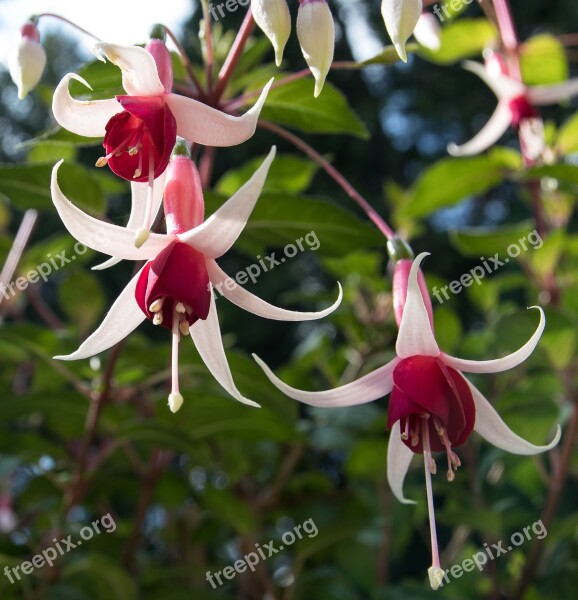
(157, 305)
(180, 308)
(175, 398)
(132, 150)
(435, 569)
(143, 234)
(184, 326)
(415, 434)
(405, 433)
(103, 160)
(158, 318)
(439, 427)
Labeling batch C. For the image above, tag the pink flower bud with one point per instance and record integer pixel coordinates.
(27, 61)
(400, 280)
(183, 196)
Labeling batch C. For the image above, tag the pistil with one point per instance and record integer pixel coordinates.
(142, 235)
(175, 398)
(435, 571)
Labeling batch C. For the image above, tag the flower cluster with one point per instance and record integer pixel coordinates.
(146, 134)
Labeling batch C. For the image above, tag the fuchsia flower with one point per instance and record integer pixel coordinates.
(432, 406)
(174, 288)
(516, 107)
(140, 127)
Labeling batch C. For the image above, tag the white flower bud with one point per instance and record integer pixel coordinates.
(28, 60)
(316, 33)
(400, 18)
(273, 17)
(428, 32)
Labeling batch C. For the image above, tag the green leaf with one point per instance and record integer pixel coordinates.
(62, 136)
(388, 56)
(81, 298)
(229, 509)
(461, 39)
(282, 219)
(28, 186)
(568, 136)
(451, 180)
(486, 241)
(104, 78)
(543, 61)
(288, 173)
(50, 152)
(563, 173)
(293, 105)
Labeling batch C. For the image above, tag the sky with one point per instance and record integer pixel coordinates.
(118, 21)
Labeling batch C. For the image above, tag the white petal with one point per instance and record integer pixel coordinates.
(202, 124)
(400, 18)
(83, 117)
(219, 232)
(102, 237)
(241, 297)
(492, 428)
(415, 337)
(428, 32)
(207, 338)
(499, 364)
(493, 130)
(138, 211)
(503, 86)
(316, 34)
(140, 76)
(398, 460)
(370, 387)
(123, 317)
(551, 94)
(273, 17)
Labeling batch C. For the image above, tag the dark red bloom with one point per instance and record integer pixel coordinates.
(177, 275)
(145, 130)
(423, 385)
(521, 109)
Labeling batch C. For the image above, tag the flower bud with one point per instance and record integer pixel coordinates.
(401, 17)
(27, 62)
(428, 32)
(273, 17)
(183, 195)
(157, 47)
(316, 33)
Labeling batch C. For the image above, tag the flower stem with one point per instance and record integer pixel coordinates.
(186, 63)
(509, 36)
(234, 55)
(209, 57)
(333, 173)
(69, 22)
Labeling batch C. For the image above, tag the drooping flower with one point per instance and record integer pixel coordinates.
(428, 32)
(516, 107)
(273, 17)
(432, 406)
(26, 63)
(401, 17)
(174, 288)
(316, 33)
(140, 127)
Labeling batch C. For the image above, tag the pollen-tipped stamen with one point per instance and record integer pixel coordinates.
(143, 233)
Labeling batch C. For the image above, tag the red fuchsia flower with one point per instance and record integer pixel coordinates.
(28, 59)
(516, 107)
(174, 288)
(140, 127)
(432, 406)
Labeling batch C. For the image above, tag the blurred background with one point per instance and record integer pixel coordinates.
(192, 493)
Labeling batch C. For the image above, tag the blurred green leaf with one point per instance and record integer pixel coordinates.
(543, 60)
